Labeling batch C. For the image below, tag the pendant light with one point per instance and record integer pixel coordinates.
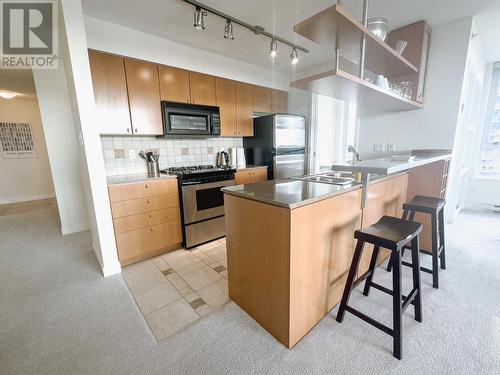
(274, 48)
(199, 21)
(294, 56)
(228, 30)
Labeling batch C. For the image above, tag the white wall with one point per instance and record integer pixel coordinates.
(109, 37)
(434, 126)
(27, 178)
(62, 147)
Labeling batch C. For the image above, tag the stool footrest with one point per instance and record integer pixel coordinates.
(408, 300)
(390, 292)
(408, 264)
(369, 320)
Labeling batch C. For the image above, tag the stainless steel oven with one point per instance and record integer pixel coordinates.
(203, 209)
(203, 201)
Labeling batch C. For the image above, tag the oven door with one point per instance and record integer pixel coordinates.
(203, 201)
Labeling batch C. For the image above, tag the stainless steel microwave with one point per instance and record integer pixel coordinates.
(190, 119)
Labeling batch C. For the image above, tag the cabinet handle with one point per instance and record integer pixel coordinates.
(147, 200)
(146, 186)
(128, 130)
(151, 229)
(234, 133)
(238, 133)
(136, 130)
(150, 216)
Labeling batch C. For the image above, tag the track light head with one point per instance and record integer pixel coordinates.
(228, 30)
(294, 56)
(199, 21)
(274, 48)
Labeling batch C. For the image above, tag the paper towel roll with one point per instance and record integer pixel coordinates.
(233, 152)
(241, 158)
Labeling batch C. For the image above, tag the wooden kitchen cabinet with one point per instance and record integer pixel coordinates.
(244, 109)
(279, 101)
(250, 176)
(262, 101)
(146, 219)
(174, 84)
(110, 93)
(226, 100)
(202, 89)
(144, 97)
(385, 197)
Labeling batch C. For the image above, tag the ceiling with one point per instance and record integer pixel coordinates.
(19, 81)
(173, 19)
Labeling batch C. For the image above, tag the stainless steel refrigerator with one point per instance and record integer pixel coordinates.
(279, 142)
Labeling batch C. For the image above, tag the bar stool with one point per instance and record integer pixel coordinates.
(391, 233)
(435, 208)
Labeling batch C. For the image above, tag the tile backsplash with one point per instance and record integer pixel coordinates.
(121, 153)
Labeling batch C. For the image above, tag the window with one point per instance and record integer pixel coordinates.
(333, 129)
(490, 151)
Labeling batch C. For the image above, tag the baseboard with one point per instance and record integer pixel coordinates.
(27, 198)
(483, 207)
(75, 228)
(109, 270)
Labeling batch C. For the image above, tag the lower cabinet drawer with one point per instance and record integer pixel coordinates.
(138, 206)
(137, 244)
(138, 221)
(164, 235)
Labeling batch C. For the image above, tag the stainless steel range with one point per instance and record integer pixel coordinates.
(202, 201)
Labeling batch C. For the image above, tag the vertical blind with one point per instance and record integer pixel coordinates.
(490, 152)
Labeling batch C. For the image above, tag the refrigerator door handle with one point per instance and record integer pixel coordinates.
(288, 151)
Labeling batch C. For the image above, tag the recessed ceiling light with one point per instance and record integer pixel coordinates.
(8, 94)
(199, 21)
(274, 48)
(294, 56)
(228, 30)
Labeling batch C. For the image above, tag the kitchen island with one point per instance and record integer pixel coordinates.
(290, 245)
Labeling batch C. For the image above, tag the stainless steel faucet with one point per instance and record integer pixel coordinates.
(355, 154)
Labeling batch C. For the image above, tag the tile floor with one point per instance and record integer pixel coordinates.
(18, 207)
(180, 287)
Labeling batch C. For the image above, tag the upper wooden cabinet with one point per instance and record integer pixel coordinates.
(202, 88)
(244, 109)
(144, 97)
(262, 99)
(110, 92)
(226, 100)
(279, 101)
(174, 84)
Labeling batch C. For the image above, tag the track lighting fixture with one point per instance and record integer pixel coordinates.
(274, 48)
(228, 30)
(199, 21)
(294, 56)
(202, 10)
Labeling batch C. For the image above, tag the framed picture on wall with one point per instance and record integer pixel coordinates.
(16, 140)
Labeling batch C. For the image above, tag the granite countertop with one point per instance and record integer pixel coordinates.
(136, 177)
(288, 193)
(390, 164)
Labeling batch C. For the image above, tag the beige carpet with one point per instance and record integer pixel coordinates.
(59, 316)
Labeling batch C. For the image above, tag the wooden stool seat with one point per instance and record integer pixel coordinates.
(425, 204)
(389, 232)
(394, 234)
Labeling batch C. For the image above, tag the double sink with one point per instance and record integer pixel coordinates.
(335, 178)
(332, 178)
